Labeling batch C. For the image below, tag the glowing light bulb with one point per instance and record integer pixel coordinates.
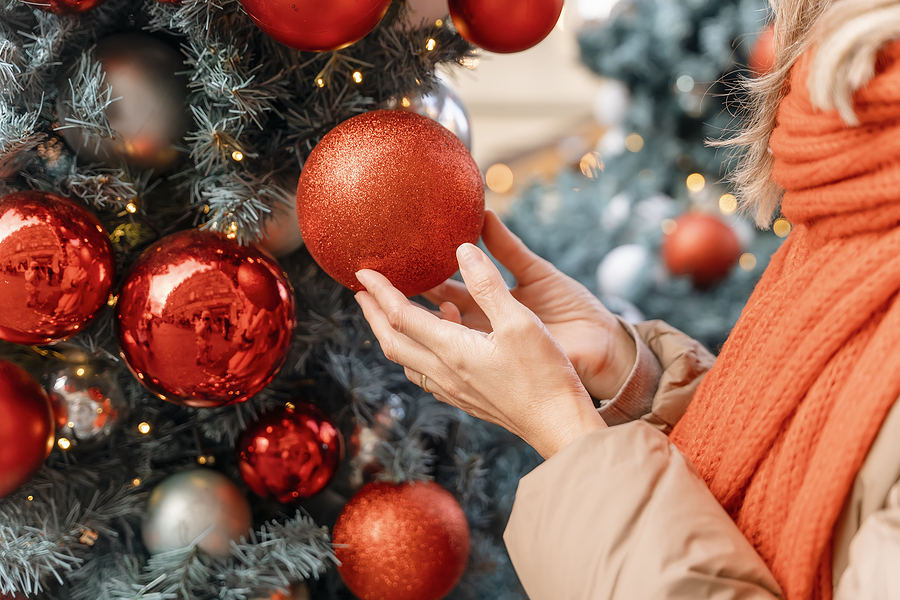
(727, 203)
(634, 142)
(696, 182)
(499, 178)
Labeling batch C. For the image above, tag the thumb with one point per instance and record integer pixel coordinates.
(526, 266)
(486, 285)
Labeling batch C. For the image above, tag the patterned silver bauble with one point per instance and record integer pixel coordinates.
(87, 402)
(149, 117)
(441, 105)
(361, 464)
(198, 506)
(281, 229)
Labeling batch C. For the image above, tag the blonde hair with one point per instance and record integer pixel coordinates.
(848, 35)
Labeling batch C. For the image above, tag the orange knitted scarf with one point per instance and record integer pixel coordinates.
(781, 426)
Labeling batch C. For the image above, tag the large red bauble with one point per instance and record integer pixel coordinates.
(66, 7)
(391, 191)
(290, 454)
(316, 25)
(701, 246)
(26, 426)
(762, 53)
(203, 321)
(402, 542)
(56, 267)
(505, 26)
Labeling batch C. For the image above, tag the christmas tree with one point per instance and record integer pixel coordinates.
(675, 71)
(198, 390)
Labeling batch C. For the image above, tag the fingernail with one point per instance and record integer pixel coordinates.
(363, 278)
(468, 256)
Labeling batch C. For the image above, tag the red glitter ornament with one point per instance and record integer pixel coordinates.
(505, 26)
(56, 267)
(762, 53)
(391, 191)
(402, 542)
(26, 427)
(290, 454)
(701, 246)
(314, 25)
(66, 7)
(203, 321)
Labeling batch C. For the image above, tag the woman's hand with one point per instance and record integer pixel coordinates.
(516, 376)
(602, 353)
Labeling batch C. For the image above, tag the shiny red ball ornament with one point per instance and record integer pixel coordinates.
(701, 246)
(290, 454)
(402, 542)
(203, 321)
(316, 25)
(66, 7)
(26, 427)
(391, 191)
(762, 53)
(505, 26)
(56, 267)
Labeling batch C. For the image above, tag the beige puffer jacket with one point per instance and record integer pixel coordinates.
(621, 514)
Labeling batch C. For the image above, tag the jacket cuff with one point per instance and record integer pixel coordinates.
(635, 399)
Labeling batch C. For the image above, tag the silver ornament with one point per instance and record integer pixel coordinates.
(625, 271)
(281, 229)
(441, 105)
(361, 464)
(200, 505)
(87, 401)
(149, 118)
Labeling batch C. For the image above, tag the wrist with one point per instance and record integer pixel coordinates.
(582, 420)
(623, 358)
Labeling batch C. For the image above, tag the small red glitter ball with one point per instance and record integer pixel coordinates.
(203, 321)
(66, 7)
(391, 191)
(26, 426)
(505, 25)
(56, 267)
(762, 53)
(402, 542)
(701, 246)
(316, 25)
(290, 454)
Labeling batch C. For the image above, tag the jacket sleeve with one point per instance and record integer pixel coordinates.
(620, 514)
(872, 572)
(668, 368)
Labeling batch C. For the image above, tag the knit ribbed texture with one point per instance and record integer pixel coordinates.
(782, 424)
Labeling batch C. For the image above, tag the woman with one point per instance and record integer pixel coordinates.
(781, 478)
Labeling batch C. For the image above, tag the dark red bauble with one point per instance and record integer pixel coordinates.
(701, 246)
(505, 26)
(402, 542)
(391, 191)
(203, 321)
(56, 267)
(290, 454)
(66, 7)
(762, 53)
(316, 25)
(26, 427)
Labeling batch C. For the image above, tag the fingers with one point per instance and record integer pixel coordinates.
(430, 386)
(396, 316)
(486, 285)
(450, 312)
(526, 266)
